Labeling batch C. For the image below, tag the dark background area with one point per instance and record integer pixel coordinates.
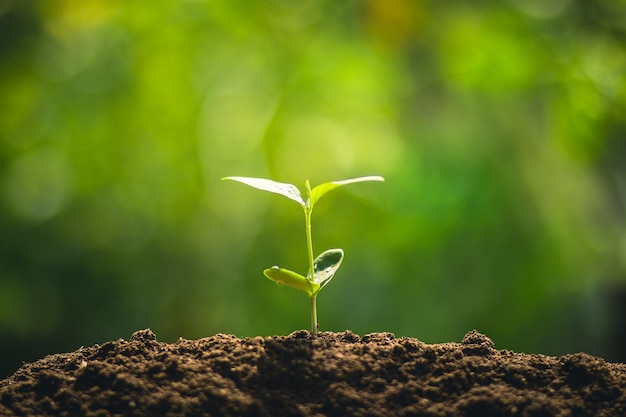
(499, 127)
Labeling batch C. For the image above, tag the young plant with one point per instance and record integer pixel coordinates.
(323, 267)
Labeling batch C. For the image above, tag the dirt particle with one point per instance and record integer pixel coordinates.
(300, 334)
(348, 337)
(379, 338)
(144, 336)
(475, 338)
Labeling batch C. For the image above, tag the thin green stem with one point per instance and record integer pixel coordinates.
(309, 239)
(309, 244)
(314, 314)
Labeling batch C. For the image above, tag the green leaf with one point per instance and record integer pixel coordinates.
(325, 266)
(282, 276)
(322, 189)
(288, 190)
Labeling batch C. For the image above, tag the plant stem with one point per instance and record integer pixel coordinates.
(309, 244)
(309, 239)
(314, 314)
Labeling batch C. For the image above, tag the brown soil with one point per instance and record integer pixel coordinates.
(334, 374)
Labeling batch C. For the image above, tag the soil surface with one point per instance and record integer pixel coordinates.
(333, 374)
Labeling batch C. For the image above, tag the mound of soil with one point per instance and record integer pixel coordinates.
(333, 374)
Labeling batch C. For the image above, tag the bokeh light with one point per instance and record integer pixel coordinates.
(498, 126)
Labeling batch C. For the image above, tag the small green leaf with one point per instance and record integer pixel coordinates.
(322, 189)
(288, 190)
(282, 276)
(325, 265)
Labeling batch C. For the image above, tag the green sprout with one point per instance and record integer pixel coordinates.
(321, 269)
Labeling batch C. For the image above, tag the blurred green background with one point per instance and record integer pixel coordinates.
(500, 127)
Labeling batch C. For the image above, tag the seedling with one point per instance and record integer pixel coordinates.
(321, 269)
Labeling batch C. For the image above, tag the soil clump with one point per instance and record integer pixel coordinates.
(333, 374)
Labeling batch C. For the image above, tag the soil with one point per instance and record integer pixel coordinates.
(333, 374)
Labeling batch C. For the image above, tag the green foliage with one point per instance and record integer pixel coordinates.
(323, 268)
